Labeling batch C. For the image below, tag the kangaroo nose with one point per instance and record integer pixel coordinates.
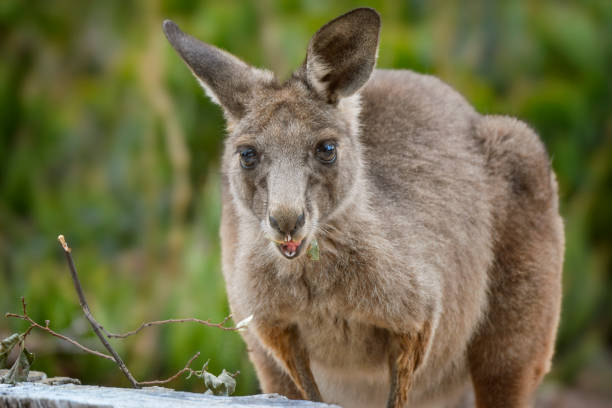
(286, 222)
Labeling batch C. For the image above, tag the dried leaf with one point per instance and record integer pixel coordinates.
(223, 385)
(6, 346)
(20, 369)
(313, 250)
(228, 381)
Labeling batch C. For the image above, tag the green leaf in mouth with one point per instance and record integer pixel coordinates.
(313, 250)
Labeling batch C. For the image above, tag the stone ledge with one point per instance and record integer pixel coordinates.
(37, 395)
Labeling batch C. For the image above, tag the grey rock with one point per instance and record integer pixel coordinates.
(37, 395)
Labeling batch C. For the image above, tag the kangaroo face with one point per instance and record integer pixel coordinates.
(292, 161)
(292, 155)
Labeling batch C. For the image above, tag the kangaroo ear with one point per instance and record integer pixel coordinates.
(227, 80)
(342, 54)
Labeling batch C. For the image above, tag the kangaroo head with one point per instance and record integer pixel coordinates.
(292, 154)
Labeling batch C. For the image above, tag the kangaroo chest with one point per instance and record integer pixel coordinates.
(323, 307)
(339, 341)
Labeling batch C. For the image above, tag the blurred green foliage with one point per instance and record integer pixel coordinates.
(106, 138)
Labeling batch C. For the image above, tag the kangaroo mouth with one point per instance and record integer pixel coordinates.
(290, 249)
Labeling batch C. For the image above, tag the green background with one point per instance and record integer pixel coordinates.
(106, 137)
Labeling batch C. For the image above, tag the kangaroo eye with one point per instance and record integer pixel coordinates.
(248, 157)
(326, 152)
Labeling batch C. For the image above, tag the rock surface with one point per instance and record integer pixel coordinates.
(36, 395)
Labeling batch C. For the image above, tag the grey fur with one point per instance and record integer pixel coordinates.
(441, 245)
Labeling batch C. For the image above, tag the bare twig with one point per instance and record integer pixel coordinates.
(94, 324)
(162, 322)
(167, 380)
(46, 328)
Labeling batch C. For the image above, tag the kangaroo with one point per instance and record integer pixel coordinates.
(438, 229)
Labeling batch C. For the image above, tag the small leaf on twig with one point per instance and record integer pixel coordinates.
(244, 323)
(20, 370)
(6, 346)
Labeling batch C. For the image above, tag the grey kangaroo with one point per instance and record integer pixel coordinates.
(440, 244)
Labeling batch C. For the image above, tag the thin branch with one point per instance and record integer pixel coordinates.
(46, 328)
(94, 324)
(184, 369)
(162, 322)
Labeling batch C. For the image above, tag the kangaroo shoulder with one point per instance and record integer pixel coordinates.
(515, 153)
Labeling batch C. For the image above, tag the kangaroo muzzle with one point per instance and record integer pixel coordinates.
(287, 225)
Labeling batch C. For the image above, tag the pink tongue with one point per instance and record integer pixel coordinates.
(291, 246)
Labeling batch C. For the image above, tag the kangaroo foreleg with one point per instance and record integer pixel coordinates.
(289, 351)
(406, 357)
